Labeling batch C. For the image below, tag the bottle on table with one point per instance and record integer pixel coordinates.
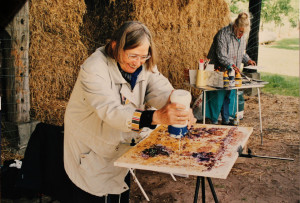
(225, 79)
(238, 80)
(231, 74)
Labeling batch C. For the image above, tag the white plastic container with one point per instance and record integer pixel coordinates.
(182, 97)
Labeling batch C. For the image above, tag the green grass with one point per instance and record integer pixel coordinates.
(290, 44)
(281, 85)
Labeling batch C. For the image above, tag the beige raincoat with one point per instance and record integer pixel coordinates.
(98, 121)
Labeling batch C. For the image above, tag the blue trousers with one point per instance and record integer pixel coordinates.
(225, 107)
(221, 101)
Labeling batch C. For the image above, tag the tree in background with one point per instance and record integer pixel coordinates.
(275, 10)
(235, 5)
(263, 12)
(271, 11)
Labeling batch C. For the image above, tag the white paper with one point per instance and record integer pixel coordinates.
(254, 67)
(210, 67)
(193, 75)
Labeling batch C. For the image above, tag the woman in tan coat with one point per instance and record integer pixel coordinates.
(107, 108)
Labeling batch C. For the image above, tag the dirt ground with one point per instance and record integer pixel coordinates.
(251, 179)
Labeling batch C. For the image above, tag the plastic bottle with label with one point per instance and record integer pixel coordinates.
(225, 80)
(182, 97)
(200, 74)
(238, 80)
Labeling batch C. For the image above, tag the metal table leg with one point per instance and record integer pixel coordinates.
(260, 119)
(204, 105)
(138, 183)
(237, 107)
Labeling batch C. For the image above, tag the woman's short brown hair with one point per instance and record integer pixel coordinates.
(129, 36)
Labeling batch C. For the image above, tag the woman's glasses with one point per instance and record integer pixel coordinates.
(134, 57)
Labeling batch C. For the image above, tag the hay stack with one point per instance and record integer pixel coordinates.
(56, 51)
(183, 31)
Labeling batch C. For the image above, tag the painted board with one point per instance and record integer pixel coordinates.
(207, 150)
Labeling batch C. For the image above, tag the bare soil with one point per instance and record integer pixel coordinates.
(251, 179)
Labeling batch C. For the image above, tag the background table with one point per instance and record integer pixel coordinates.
(258, 86)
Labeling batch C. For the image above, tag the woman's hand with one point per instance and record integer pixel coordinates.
(236, 69)
(173, 113)
(252, 63)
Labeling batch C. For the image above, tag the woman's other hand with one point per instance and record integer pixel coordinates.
(236, 69)
(192, 120)
(252, 63)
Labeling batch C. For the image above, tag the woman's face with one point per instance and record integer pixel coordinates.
(132, 59)
(239, 31)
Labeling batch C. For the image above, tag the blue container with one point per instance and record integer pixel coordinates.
(177, 132)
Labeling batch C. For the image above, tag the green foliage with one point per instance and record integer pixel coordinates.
(234, 9)
(290, 44)
(275, 10)
(235, 5)
(281, 85)
(271, 10)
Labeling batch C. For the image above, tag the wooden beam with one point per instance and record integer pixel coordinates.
(253, 42)
(17, 64)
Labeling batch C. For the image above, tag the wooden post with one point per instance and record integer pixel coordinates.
(17, 85)
(253, 42)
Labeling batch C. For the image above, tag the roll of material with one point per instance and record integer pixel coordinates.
(200, 80)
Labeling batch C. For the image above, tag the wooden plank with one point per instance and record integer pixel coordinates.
(181, 163)
(17, 85)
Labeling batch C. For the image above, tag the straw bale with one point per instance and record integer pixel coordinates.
(56, 51)
(64, 33)
(183, 31)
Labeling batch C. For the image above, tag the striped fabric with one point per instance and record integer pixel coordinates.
(135, 125)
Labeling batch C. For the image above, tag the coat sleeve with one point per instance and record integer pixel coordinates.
(222, 49)
(245, 59)
(158, 89)
(99, 94)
